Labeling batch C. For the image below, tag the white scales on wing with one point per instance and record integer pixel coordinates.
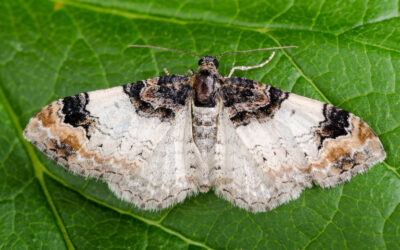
(159, 140)
(158, 149)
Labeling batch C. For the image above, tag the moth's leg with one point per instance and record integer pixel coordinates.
(189, 71)
(166, 71)
(252, 67)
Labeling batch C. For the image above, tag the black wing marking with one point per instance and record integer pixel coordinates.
(246, 99)
(159, 97)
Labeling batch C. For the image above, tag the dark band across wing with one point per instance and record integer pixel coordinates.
(246, 99)
(159, 97)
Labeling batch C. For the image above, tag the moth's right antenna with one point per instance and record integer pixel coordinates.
(254, 50)
(161, 48)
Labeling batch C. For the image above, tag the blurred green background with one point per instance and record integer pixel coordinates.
(348, 55)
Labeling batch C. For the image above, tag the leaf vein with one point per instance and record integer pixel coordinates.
(37, 169)
(309, 80)
(331, 220)
(317, 14)
(81, 35)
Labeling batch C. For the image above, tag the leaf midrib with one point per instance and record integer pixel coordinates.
(37, 167)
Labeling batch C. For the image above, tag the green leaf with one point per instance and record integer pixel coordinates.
(348, 55)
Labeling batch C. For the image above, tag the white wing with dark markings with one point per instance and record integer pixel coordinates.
(143, 151)
(269, 153)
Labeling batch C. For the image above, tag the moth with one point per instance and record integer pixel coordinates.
(157, 141)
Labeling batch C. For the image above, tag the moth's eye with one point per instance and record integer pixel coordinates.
(216, 63)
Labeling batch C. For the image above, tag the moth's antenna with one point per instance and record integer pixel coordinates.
(254, 50)
(161, 48)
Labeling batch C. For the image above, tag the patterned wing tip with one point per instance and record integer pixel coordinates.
(348, 155)
(38, 133)
(34, 131)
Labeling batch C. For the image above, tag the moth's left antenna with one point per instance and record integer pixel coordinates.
(161, 48)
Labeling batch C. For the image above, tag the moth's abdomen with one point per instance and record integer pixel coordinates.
(205, 136)
(205, 129)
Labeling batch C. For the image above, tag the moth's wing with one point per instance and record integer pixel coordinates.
(135, 137)
(274, 144)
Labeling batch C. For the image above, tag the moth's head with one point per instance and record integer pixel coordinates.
(208, 63)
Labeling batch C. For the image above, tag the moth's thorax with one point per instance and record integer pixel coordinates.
(205, 82)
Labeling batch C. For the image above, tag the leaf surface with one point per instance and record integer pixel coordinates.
(348, 55)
